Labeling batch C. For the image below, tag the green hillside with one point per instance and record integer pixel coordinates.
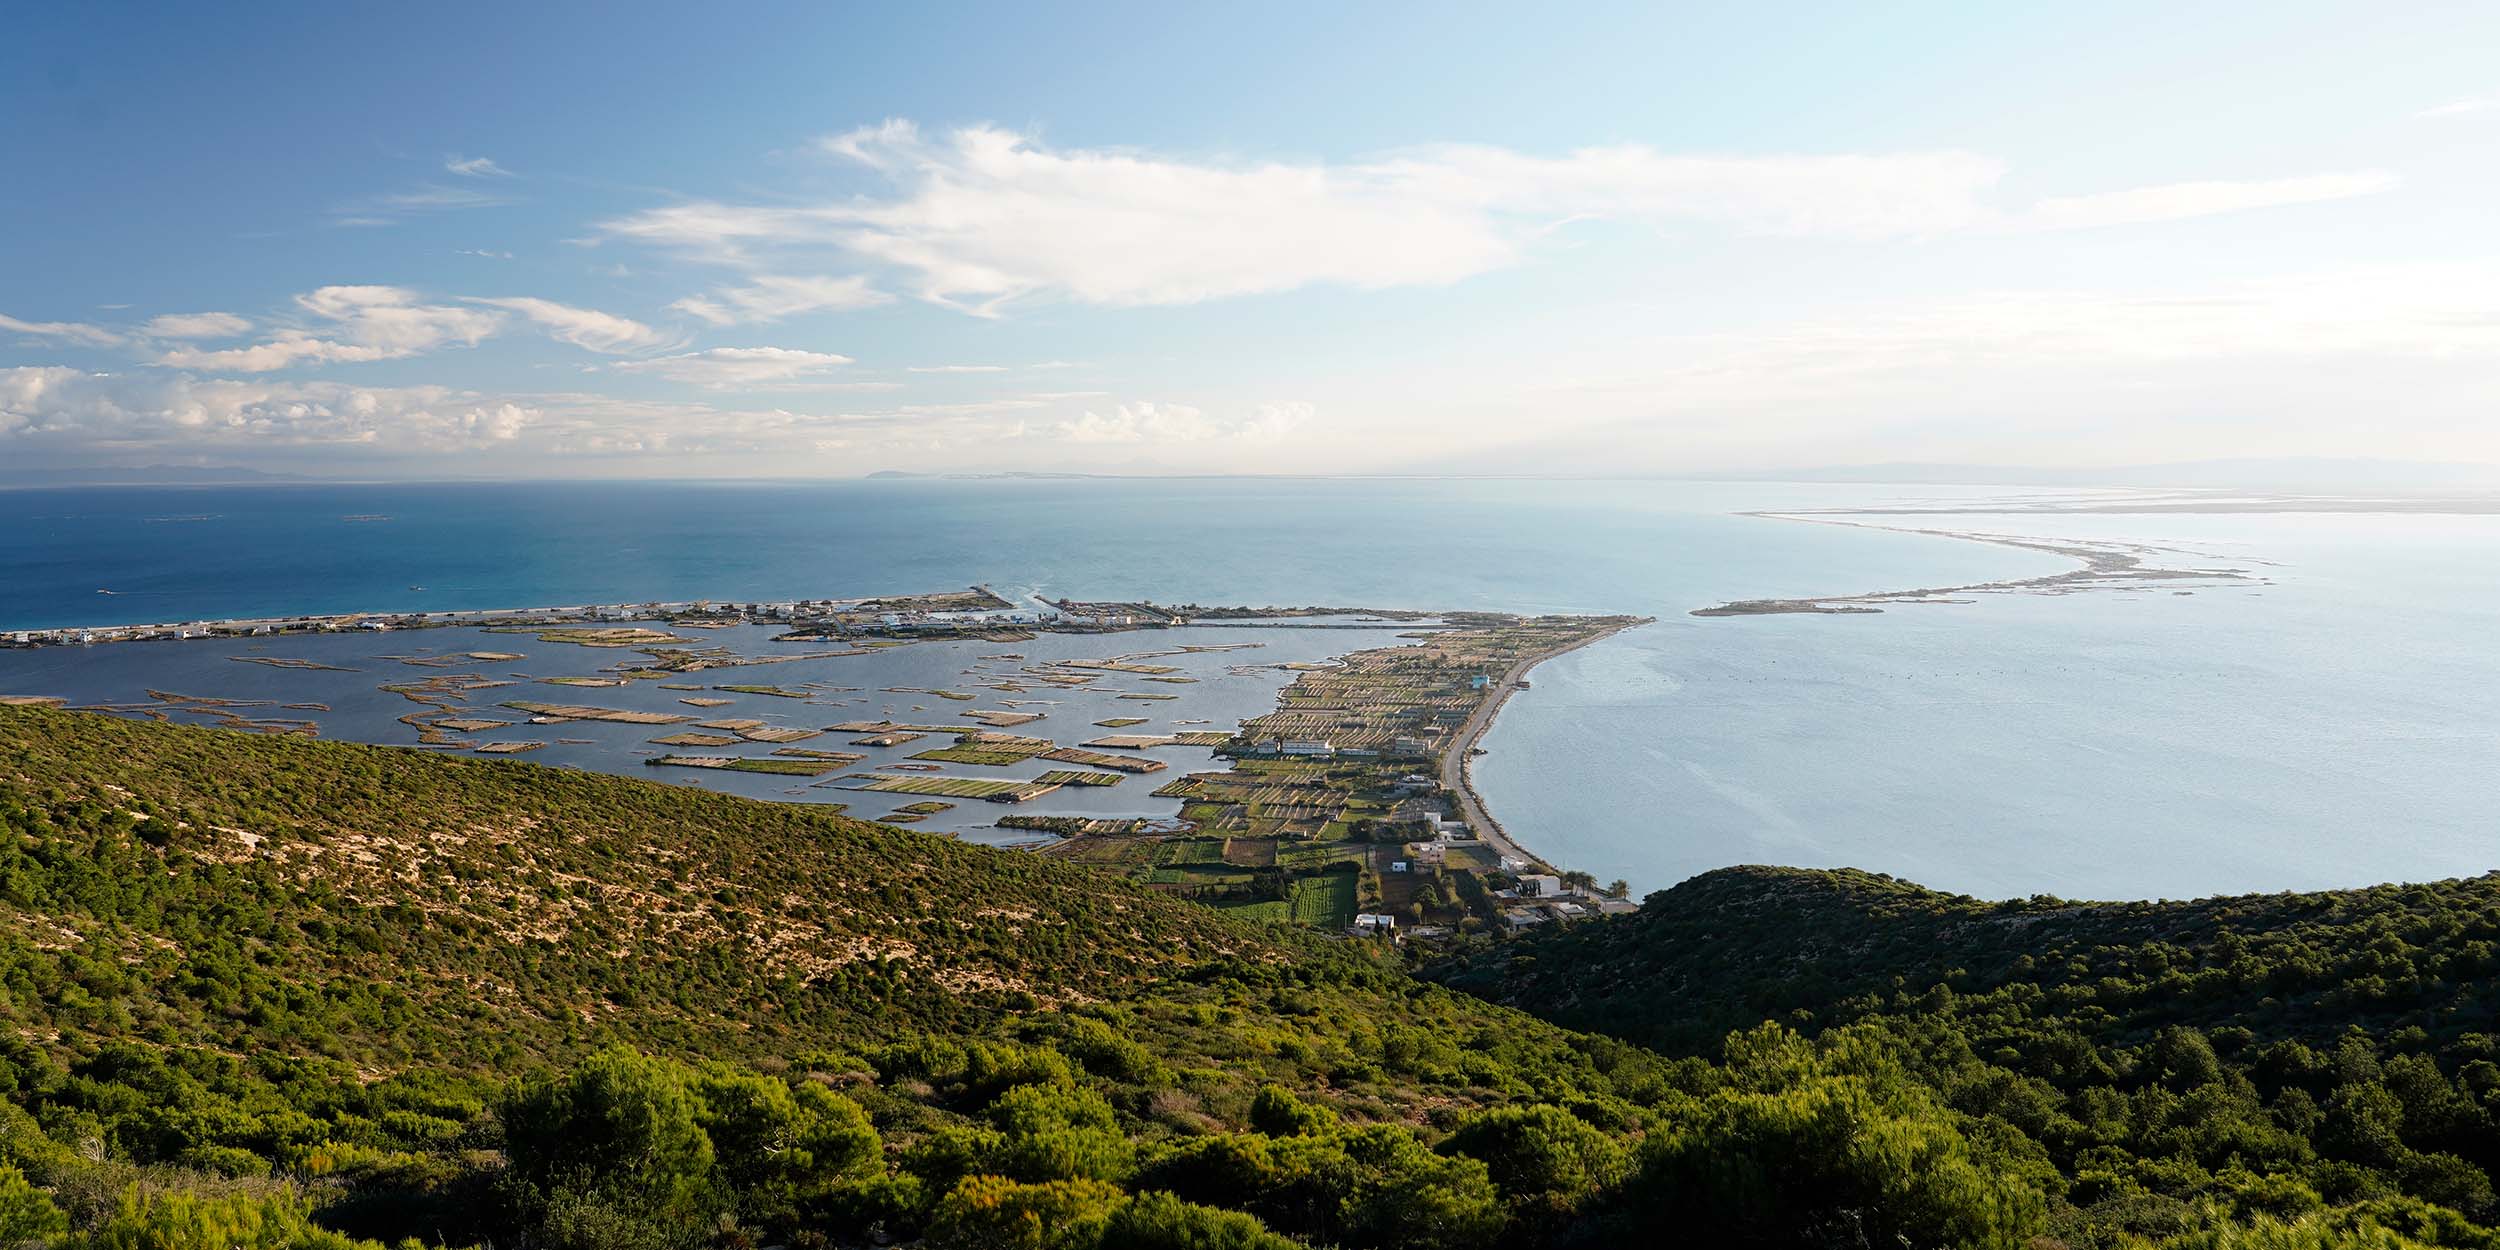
(2338, 1047)
(277, 993)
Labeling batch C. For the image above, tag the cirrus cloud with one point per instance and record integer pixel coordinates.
(586, 328)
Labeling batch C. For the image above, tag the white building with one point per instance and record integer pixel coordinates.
(1539, 885)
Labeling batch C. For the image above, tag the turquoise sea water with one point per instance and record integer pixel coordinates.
(2338, 726)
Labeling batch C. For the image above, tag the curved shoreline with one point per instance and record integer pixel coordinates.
(2107, 565)
(1457, 767)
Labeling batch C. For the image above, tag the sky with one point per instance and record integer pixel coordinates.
(821, 241)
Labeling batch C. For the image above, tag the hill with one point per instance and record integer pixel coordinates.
(284, 984)
(2158, 1054)
(276, 993)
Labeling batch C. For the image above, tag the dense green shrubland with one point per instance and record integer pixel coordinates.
(2319, 1057)
(490, 1004)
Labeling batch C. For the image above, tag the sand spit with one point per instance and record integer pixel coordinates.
(2106, 566)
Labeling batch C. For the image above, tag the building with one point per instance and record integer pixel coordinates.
(1539, 885)
(1306, 746)
(1375, 924)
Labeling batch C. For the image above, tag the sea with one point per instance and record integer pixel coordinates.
(2334, 721)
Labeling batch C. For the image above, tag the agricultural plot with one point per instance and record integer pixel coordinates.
(1097, 759)
(778, 733)
(1127, 742)
(1250, 852)
(837, 757)
(775, 691)
(1326, 901)
(955, 787)
(578, 711)
(507, 748)
(887, 740)
(740, 764)
(696, 740)
(1001, 718)
(1079, 777)
(960, 753)
(706, 702)
(1120, 722)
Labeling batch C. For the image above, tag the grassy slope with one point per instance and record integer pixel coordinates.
(389, 907)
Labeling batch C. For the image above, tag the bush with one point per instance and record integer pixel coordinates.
(994, 1213)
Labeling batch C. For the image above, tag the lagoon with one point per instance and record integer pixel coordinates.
(2338, 725)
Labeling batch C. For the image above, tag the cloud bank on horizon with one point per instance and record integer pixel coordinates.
(978, 296)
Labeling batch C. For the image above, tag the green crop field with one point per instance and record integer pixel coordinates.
(1076, 777)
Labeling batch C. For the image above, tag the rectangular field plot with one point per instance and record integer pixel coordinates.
(1079, 777)
(1096, 759)
(1323, 902)
(735, 764)
(955, 787)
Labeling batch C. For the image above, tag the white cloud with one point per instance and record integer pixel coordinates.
(350, 323)
(984, 216)
(956, 369)
(74, 331)
(583, 327)
(772, 297)
(2472, 106)
(475, 167)
(1144, 423)
(481, 252)
(392, 207)
(728, 367)
(55, 406)
(2181, 200)
(207, 325)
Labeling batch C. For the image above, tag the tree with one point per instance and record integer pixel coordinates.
(25, 1213)
(621, 1131)
(1542, 1156)
(994, 1213)
(1276, 1112)
(1159, 1221)
(1809, 1149)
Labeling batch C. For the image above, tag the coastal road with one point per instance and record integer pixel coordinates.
(1457, 775)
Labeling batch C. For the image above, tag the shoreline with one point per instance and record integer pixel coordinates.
(1457, 772)
(2106, 565)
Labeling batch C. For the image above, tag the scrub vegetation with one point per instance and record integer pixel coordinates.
(272, 992)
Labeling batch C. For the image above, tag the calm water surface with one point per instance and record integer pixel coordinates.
(2339, 726)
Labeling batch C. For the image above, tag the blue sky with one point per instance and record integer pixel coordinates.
(809, 240)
